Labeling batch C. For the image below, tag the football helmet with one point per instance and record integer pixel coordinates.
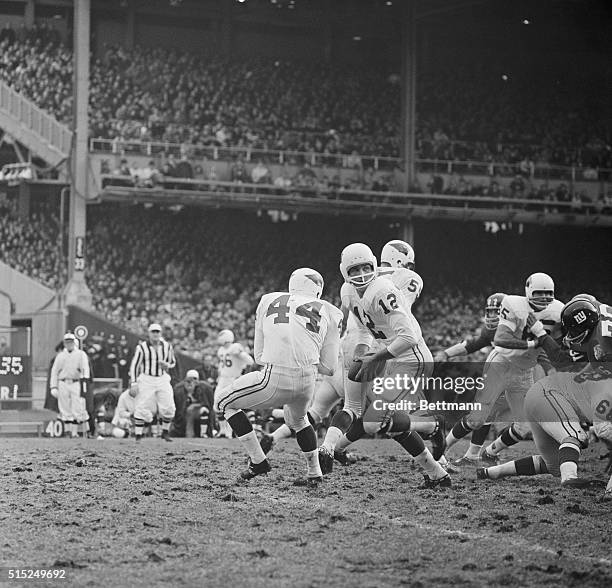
(306, 281)
(588, 297)
(539, 290)
(492, 308)
(225, 337)
(358, 254)
(579, 319)
(397, 253)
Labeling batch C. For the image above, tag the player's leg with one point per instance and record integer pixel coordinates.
(145, 406)
(494, 374)
(225, 429)
(546, 460)
(165, 407)
(248, 391)
(518, 383)
(64, 406)
(305, 435)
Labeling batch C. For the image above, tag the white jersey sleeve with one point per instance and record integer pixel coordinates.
(125, 405)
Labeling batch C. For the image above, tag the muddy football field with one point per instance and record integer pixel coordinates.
(113, 513)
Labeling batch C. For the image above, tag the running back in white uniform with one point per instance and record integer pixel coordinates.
(232, 359)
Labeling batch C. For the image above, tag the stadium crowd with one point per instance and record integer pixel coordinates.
(167, 95)
(199, 272)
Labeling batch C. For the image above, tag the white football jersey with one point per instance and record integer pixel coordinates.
(231, 361)
(295, 330)
(382, 312)
(407, 281)
(513, 314)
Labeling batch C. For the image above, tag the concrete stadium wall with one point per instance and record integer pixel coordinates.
(27, 294)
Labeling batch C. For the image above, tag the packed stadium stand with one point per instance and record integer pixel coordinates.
(464, 113)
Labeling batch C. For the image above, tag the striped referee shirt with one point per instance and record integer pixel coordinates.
(147, 357)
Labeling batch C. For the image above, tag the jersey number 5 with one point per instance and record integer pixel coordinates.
(311, 311)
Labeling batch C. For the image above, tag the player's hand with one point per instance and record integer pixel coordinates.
(164, 365)
(531, 320)
(538, 329)
(134, 390)
(53, 392)
(441, 357)
(370, 367)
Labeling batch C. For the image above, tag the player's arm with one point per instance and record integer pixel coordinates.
(123, 410)
(467, 346)
(328, 357)
(508, 323)
(171, 357)
(258, 339)
(54, 374)
(85, 371)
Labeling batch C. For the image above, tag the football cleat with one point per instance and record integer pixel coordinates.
(266, 443)
(465, 462)
(326, 460)
(166, 436)
(576, 483)
(255, 469)
(345, 458)
(428, 483)
(482, 474)
(487, 459)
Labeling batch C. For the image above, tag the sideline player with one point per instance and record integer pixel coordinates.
(296, 335)
(509, 367)
(383, 315)
(232, 360)
(123, 419)
(150, 382)
(69, 373)
(558, 403)
(484, 339)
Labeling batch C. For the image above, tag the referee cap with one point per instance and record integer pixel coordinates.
(154, 327)
(69, 337)
(192, 374)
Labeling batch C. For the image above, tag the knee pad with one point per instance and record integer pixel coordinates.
(522, 430)
(473, 423)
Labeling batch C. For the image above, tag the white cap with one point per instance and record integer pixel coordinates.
(69, 337)
(155, 327)
(192, 374)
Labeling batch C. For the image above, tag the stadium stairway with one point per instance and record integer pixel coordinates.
(37, 130)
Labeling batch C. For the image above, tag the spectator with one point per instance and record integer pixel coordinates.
(194, 401)
(260, 174)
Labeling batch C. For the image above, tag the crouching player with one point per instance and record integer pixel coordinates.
(557, 404)
(123, 420)
(296, 335)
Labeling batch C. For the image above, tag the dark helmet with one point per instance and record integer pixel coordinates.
(492, 308)
(579, 319)
(588, 297)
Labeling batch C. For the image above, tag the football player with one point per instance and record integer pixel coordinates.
(231, 361)
(296, 335)
(523, 321)
(557, 404)
(471, 345)
(383, 316)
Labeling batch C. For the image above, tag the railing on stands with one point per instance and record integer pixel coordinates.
(217, 153)
(56, 134)
(365, 198)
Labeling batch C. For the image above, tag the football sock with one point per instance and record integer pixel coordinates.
(282, 432)
(569, 454)
(166, 425)
(240, 424)
(508, 437)
(354, 433)
(333, 435)
(138, 427)
(459, 431)
(413, 444)
(478, 438)
(307, 440)
(526, 466)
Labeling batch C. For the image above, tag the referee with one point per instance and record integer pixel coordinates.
(150, 382)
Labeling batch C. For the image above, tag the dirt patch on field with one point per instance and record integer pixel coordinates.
(114, 513)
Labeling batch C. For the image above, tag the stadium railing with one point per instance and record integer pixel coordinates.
(217, 153)
(305, 198)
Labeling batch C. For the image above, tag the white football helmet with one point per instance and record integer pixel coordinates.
(306, 281)
(225, 337)
(540, 290)
(397, 253)
(358, 254)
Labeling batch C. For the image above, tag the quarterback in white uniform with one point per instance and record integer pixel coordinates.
(383, 316)
(232, 359)
(296, 336)
(510, 366)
